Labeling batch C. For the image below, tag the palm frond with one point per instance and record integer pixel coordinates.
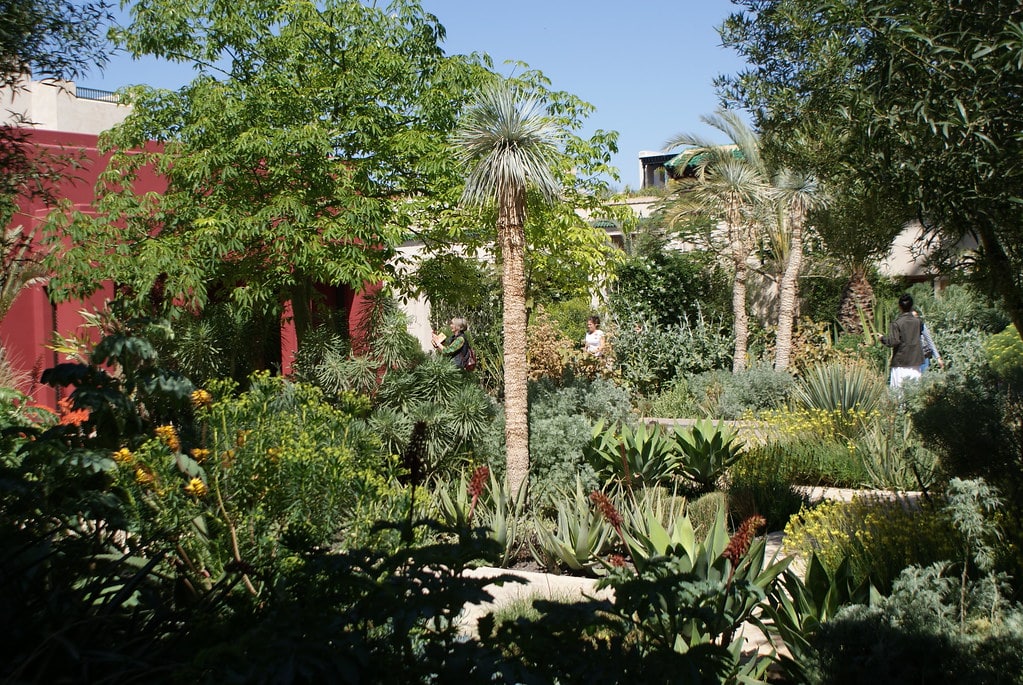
(507, 142)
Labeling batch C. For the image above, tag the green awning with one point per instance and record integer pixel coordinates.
(690, 159)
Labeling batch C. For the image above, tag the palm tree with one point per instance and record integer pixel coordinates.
(730, 183)
(798, 193)
(508, 144)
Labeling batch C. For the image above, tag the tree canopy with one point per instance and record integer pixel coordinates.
(917, 98)
(294, 156)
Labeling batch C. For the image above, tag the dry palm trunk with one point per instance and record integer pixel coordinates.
(513, 255)
(857, 301)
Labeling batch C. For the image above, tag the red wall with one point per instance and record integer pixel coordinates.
(32, 321)
(30, 324)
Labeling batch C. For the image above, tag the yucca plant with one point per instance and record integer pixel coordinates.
(706, 450)
(635, 455)
(849, 393)
(894, 459)
(579, 537)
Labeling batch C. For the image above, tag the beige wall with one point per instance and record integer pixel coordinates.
(54, 106)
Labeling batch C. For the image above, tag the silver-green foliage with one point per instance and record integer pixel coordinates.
(839, 387)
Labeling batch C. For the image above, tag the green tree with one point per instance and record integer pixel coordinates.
(732, 185)
(924, 97)
(510, 147)
(296, 156)
(60, 39)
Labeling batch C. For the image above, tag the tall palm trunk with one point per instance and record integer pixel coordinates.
(788, 290)
(740, 255)
(511, 217)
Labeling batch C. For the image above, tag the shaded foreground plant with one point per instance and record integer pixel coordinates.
(672, 619)
(577, 539)
(484, 501)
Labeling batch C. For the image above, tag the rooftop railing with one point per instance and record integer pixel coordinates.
(96, 94)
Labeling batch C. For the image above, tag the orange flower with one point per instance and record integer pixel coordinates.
(169, 437)
(200, 454)
(69, 416)
(201, 398)
(743, 538)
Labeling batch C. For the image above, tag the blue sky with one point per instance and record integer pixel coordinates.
(647, 65)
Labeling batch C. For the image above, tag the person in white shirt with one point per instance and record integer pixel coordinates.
(593, 343)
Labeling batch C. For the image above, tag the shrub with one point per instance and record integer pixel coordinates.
(664, 286)
(651, 356)
(761, 483)
(1005, 351)
(723, 395)
(952, 612)
(549, 350)
(880, 535)
(674, 402)
(557, 456)
(969, 421)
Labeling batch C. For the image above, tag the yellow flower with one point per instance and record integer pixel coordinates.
(124, 456)
(169, 436)
(201, 398)
(200, 454)
(239, 438)
(144, 476)
(196, 488)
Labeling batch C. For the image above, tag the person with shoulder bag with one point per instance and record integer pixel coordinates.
(456, 346)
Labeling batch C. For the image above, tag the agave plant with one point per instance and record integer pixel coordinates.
(579, 537)
(483, 501)
(656, 522)
(502, 514)
(729, 577)
(797, 612)
(643, 454)
(707, 450)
